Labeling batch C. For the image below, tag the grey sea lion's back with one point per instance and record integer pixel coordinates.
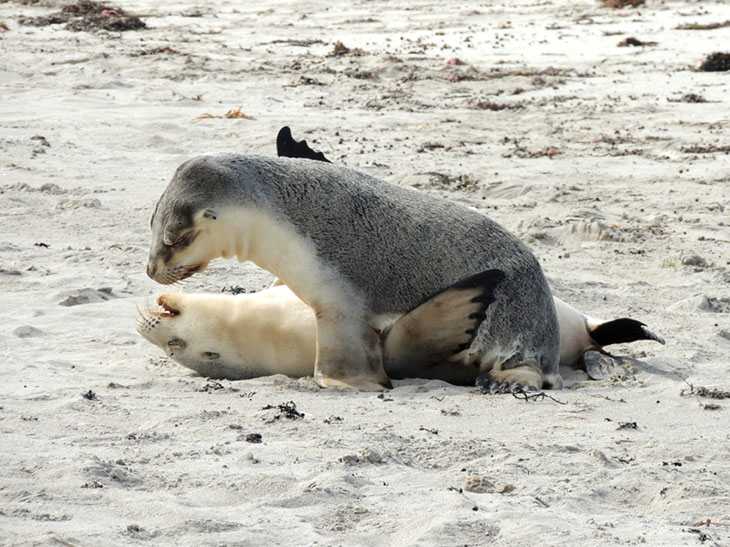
(398, 245)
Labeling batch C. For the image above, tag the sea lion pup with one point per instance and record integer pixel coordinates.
(579, 333)
(274, 332)
(357, 250)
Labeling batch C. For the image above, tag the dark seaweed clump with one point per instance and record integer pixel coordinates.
(89, 16)
(716, 62)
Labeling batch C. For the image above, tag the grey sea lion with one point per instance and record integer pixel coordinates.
(357, 250)
(274, 332)
(579, 333)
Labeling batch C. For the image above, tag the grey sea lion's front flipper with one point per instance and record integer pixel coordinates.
(441, 327)
(287, 147)
(349, 354)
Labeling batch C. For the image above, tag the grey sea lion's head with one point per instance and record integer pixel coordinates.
(185, 235)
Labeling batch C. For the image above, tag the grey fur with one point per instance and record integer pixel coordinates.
(395, 246)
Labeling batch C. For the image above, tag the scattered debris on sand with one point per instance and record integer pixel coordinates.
(340, 49)
(706, 149)
(286, 410)
(702, 391)
(634, 42)
(157, 51)
(619, 4)
(495, 107)
(688, 98)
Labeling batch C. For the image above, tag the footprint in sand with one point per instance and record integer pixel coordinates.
(88, 296)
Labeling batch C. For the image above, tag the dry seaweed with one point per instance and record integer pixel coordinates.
(702, 391)
(708, 149)
(634, 42)
(286, 410)
(700, 26)
(618, 4)
(688, 98)
(495, 107)
(340, 49)
(234, 113)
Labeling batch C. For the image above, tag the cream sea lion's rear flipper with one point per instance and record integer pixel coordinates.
(441, 327)
(599, 366)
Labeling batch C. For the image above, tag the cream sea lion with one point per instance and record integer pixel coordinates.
(274, 332)
(358, 251)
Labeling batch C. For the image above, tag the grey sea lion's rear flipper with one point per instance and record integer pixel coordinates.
(621, 331)
(287, 147)
(441, 327)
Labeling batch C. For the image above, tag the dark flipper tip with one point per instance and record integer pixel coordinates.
(287, 147)
(621, 331)
(652, 336)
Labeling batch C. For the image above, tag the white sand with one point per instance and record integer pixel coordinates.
(625, 220)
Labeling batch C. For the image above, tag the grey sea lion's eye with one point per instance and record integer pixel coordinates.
(211, 355)
(176, 343)
(184, 240)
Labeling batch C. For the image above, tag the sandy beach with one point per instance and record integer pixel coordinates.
(610, 161)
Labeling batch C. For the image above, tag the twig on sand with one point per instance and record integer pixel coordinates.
(707, 523)
(534, 396)
(700, 26)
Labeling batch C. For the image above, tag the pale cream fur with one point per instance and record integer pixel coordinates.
(271, 332)
(574, 329)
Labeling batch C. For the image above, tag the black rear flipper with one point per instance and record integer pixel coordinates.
(287, 147)
(622, 331)
(441, 327)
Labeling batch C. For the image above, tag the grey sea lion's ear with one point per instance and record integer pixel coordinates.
(169, 235)
(210, 214)
(287, 147)
(443, 325)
